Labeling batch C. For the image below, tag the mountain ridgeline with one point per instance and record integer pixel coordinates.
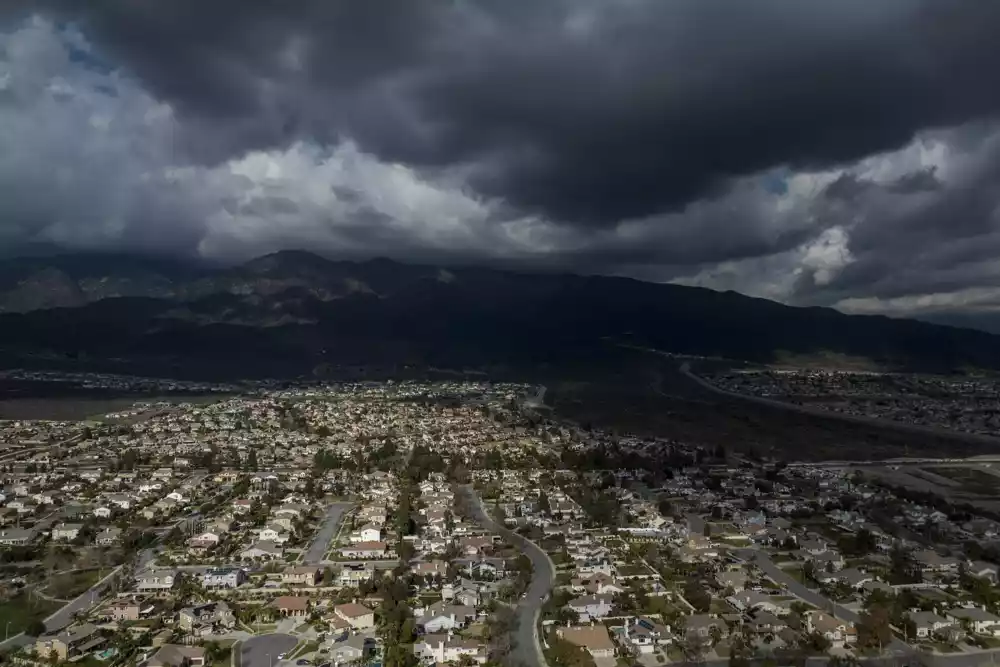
(293, 311)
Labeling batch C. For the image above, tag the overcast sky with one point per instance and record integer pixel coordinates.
(837, 153)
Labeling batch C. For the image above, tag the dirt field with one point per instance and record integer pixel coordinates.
(70, 408)
(648, 396)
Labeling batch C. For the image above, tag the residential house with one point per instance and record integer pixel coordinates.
(223, 577)
(352, 575)
(305, 575)
(156, 580)
(124, 610)
(592, 638)
(205, 618)
(591, 606)
(365, 550)
(291, 605)
(983, 570)
(176, 655)
(66, 532)
(273, 533)
(753, 600)
(927, 623)
(108, 537)
(836, 631)
(931, 561)
(735, 581)
(441, 617)
(644, 635)
(976, 620)
(262, 551)
(72, 642)
(206, 540)
(120, 501)
(16, 537)
(367, 533)
(351, 650)
(431, 568)
(446, 648)
(702, 624)
(357, 615)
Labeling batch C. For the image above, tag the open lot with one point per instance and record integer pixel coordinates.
(83, 407)
(68, 585)
(971, 479)
(20, 611)
(647, 395)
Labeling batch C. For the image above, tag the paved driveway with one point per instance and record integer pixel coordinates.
(263, 651)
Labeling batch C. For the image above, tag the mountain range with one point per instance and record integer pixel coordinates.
(292, 312)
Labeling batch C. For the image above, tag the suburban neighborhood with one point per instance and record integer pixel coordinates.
(454, 522)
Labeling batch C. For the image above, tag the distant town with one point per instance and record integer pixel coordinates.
(965, 403)
(408, 523)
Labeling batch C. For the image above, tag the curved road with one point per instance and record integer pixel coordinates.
(526, 647)
(263, 651)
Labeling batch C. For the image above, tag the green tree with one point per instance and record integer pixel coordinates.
(697, 596)
(874, 630)
(35, 628)
(543, 502)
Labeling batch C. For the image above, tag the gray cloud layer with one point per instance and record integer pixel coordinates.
(838, 153)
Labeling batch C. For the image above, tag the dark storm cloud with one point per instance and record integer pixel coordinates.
(587, 112)
(918, 234)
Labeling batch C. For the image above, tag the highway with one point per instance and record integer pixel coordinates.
(526, 649)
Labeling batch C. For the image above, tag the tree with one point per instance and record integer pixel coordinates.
(35, 628)
(543, 503)
(666, 509)
(809, 571)
(697, 596)
(739, 652)
(873, 628)
(694, 646)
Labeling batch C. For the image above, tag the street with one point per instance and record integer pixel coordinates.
(526, 647)
(321, 542)
(263, 651)
(906, 653)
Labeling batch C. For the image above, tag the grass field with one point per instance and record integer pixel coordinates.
(19, 612)
(71, 584)
(971, 479)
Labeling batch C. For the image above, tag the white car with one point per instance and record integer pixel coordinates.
(281, 656)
